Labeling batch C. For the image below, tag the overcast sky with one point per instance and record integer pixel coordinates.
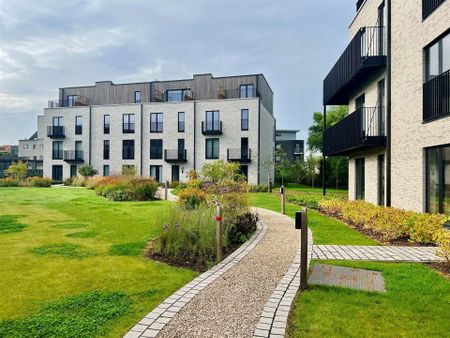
(49, 44)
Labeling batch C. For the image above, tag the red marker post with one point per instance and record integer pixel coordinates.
(218, 218)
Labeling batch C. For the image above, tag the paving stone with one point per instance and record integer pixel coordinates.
(132, 334)
(150, 333)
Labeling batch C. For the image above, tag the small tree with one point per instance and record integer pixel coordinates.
(312, 167)
(298, 171)
(281, 164)
(268, 164)
(17, 170)
(87, 171)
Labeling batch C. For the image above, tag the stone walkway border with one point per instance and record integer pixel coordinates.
(273, 320)
(377, 253)
(153, 322)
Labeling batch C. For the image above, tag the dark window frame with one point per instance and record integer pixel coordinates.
(128, 149)
(128, 127)
(212, 124)
(211, 156)
(248, 86)
(244, 121)
(79, 126)
(156, 149)
(156, 126)
(106, 126)
(441, 176)
(72, 99)
(360, 178)
(182, 92)
(57, 154)
(181, 123)
(104, 167)
(439, 41)
(106, 149)
(140, 96)
(381, 168)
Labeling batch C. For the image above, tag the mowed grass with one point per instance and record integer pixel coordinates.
(416, 304)
(325, 230)
(61, 246)
(301, 188)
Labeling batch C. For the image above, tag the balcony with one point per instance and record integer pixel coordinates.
(436, 97)
(56, 132)
(241, 155)
(365, 54)
(175, 155)
(73, 156)
(70, 101)
(212, 127)
(360, 130)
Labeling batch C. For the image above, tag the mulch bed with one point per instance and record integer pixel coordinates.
(442, 267)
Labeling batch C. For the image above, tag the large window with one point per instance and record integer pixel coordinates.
(181, 121)
(128, 123)
(58, 121)
(71, 100)
(57, 151)
(359, 179)
(106, 150)
(246, 91)
(106, 170)
(156, 149)
(106, 123)
(437, 58)
(137, 97)
(212, 120)
(57, 172)
(156, 172)
(78, 125)
(128, 149)
(212, 148)
(156, 122)
(244, 119)
(438, 179)
(176, 95)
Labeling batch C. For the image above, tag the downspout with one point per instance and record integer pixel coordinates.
(195, 128)
(323, 149)
(388, 106)
(90, 133)
(142, 139)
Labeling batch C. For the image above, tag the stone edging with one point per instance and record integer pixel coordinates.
(153, 322)
(273, 320)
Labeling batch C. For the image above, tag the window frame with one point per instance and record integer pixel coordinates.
(126, 145)
(156, 149)
(439, 42)
(106, 130)
(136, 100)
(212, 140)
(106, 149)
(158, 123)
(246, 93)
(78, 126)
(128, 127)
(104, 167)
(59, 151)
(247, 120)
(181, 123)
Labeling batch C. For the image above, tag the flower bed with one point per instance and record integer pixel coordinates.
(28, 182)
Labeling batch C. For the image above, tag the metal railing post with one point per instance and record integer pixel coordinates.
(301, 222)
(218, 219)
(283, 200)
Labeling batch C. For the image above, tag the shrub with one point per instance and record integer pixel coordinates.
(124, 188)
(190, 198)
(424, 227)
(310, 201)
(173, 185)
(244, 226)
(79, 181)
(87, 171)
(39, 182)
(17, 170)
(143, 189)
(442, 239)
(9, 182)
(258, 188)
(181, 186)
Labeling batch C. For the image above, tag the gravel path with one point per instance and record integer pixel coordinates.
(232, 305)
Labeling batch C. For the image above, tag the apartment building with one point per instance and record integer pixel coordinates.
(394, 76)
(286, 139)
(162, 129)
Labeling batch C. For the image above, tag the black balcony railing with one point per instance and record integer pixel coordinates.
(212, 127)
(436, 97)
(73, 155)
(428, 6)
(175, 155)
(365, 54)
(55, 131)
(242, 155)
(362, 129)
(359, 4)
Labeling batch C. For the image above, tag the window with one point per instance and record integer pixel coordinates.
(246, 91)
(128, 123)
(71, 100)
(181, 121)
(156, 122)
(57, 151)
(244, 119)
(78, 150)
(212, 148)
(381, 180)
(244, 148)
(437, 162)
(137, 97)
(57, 172)
(174, 95)
(106, 150)
(58, 121)
(156, 172)
(106, 170)
(34, 146)
(106, 123)
(78, 125)
(175, 173)
(437, 58)
(359, 179)
(212, 120)
(381, 115)
(128, 149)
(156, 151)
(428, 6)
(73, 170)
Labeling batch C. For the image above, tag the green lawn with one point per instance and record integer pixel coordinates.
(71, 257)
(317, 190)
(416, 304)
(325, 230)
